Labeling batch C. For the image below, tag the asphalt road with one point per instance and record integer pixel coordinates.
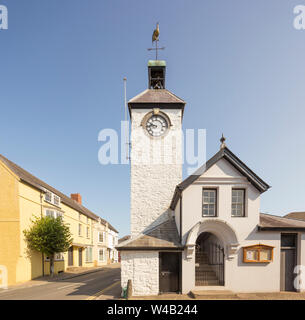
(104, 284)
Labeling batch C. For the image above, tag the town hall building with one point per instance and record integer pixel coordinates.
(205, 232)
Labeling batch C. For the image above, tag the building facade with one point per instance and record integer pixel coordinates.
(205, 232)
(105, 238)
(23, 197)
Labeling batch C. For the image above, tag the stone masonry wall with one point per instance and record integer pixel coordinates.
(142, 268)
(156, 169)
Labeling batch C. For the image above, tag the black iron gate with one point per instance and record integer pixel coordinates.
(210, 265)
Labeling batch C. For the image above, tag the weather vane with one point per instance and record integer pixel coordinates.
(155, 38)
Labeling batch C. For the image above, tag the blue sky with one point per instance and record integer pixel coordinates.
(239, 65)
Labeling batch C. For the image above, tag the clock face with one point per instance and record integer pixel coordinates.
(156, 126)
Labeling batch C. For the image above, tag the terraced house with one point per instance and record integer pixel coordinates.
(23, 196)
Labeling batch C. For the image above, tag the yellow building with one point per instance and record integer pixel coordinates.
(23, 196)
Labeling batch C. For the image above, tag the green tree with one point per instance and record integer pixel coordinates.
(48, 235)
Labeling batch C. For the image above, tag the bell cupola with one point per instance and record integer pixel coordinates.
(156, 74)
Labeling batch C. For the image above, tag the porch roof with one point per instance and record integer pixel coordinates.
(162, 237)
(275, 223)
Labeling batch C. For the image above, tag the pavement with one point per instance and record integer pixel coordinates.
(98, 283)
(104, 284)
(208, 295)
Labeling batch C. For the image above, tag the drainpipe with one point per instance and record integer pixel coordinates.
(41, 214)
(181, 218)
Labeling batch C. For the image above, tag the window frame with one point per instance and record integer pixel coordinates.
(216, 202)
(57, 201)
(80, 231)
(101, 233)
(103, 255)
(46, 195)
(89, 257)
(55, 213)
(244, 202)
(50, 198)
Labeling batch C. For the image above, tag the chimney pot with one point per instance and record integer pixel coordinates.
(76, 197)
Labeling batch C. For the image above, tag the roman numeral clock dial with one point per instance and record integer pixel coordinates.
(156, 126)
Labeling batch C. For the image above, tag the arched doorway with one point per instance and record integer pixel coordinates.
(209, 260)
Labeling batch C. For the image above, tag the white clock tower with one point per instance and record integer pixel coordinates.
(156, 150)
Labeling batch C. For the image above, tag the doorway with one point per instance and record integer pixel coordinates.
(209, 261)
(80, 257)
(70, 256)
(288, 261)
(169, 271)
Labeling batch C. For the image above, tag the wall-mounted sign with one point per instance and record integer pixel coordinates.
(258, 253)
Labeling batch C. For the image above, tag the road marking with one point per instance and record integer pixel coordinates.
(101, 292)
(70, 285)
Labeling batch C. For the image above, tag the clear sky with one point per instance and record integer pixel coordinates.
(240, 65)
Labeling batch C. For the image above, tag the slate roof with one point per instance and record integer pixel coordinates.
(223, 153)
(156, 96)
(125, 238)
(276, 223)
(41, 185)
(164, 236)
(296, 215)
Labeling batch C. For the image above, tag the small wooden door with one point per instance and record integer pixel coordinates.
(288, 261)
(169, 271)
(80, 257)
(70, 256)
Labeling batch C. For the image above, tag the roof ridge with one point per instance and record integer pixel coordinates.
(16, 168)
(273, 215)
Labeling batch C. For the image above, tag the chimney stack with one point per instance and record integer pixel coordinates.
(76, 197)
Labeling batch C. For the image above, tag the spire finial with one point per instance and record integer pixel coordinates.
(222, 140)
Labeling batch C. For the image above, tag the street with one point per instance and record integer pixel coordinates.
(104, 284)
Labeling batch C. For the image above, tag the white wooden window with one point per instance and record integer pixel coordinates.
(53, 213)
(101, 236)
(238, 203)
(209, 202)
(87, 232)
(79, 229)
(101, 255)
(56, 200)
(52, 198)
(48, 196)
(89, 254)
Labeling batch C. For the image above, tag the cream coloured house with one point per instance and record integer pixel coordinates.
(206, 232)
(105, 238)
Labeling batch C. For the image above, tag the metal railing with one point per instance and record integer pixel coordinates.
(210, 265)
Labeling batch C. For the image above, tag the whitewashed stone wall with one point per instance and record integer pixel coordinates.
(156, 169)
(142, 268)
